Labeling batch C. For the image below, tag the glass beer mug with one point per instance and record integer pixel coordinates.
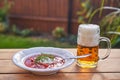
(88, 43)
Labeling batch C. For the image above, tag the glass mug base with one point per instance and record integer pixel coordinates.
(87, 64)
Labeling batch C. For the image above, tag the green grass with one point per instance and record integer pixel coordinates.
(11, 41)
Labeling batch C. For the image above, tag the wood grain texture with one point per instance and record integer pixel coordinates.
(8, 53)
(63, 76)
(103, 66)
(106, 70)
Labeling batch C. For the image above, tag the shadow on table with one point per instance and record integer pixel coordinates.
(90, 73)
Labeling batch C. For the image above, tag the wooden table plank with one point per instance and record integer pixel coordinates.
(7, 66)
(107, 69)
(8, 53)
(62, 76)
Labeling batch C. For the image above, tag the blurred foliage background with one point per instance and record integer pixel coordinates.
(11, 36)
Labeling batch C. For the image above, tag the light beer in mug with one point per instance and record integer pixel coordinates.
(88, 43)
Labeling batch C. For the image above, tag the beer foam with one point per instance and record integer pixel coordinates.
(88, 35)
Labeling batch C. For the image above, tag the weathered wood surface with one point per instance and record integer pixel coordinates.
(106, 70)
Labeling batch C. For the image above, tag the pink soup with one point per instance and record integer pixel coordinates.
(44, 61)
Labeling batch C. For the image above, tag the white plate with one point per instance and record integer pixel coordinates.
(18, 59)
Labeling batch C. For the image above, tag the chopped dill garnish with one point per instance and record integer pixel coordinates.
(44, 58)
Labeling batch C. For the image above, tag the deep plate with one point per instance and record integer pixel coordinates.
(18, 59)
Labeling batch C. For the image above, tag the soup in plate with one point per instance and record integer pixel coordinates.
(44, 61)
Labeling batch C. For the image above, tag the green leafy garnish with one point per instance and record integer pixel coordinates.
(44, 58)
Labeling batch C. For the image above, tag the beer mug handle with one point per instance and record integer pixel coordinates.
(108, 47)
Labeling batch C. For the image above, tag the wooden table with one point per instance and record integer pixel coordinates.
(108, 69)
